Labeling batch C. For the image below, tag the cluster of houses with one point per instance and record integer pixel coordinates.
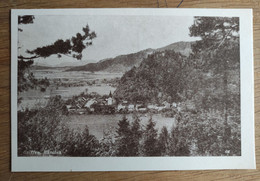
(140, 107)
(110, 105)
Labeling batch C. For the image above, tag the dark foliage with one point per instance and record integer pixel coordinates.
(38, 129)
(81, 144)
(150, 140)
(122, 139)
(135, 137)
(72, 47)
(27, 19)
(164, 142)
(160, 72)
(43, 129)
(26, 79)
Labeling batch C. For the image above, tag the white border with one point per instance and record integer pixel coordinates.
(246, 161)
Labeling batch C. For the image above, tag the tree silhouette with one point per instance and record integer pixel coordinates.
(71, 47)
(164, 141)
(27, 19)
(135, 136)
(123, 136)
(150, 140)
(214, 32)
(218, 47)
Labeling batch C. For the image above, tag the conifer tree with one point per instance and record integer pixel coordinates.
(163, 142)
(218, 48)
(135, 137)
(82, 144)
(122, 138)
(150, 140)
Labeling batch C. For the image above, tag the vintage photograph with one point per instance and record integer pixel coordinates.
(128, 86)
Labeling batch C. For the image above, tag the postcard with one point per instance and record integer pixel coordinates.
(132, 89)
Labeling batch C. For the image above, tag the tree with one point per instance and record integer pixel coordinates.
(39, 129)
(27, 19)
(179, 140)
(150, 140)
(135, 136)
(122, 138)
(107, 146)
(82, 144)
(163, 142)
(218, 48)
(71, 47)
(215, 32)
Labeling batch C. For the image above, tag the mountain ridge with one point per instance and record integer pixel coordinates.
(123, 63)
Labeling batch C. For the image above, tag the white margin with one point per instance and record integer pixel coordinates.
(245, 161)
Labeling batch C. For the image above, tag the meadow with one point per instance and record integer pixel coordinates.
(78, 81)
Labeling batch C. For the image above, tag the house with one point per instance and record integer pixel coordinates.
(90, 102)
(83, 99)
(151, 106)
(109, 101)
(101, 101)
(137, 106)
(81, 102)
(166, 105)
(120, 107)
(131, 107)
(78, 106)
(174, 104)
(81, 111)
(71, 108)
(68, 106)
(160, 108)
(143, 109)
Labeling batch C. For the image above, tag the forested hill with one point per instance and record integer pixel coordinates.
(158, 77)
(173, 77)
(124, 63)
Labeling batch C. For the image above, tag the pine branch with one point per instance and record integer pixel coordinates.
(28, 58)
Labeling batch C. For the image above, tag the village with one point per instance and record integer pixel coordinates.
(108, 105)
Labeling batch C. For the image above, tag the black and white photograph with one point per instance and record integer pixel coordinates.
(128, 85)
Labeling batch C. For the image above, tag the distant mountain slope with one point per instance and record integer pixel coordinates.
(124, 63)
(182, 47)
(60, 63)
(120, 63)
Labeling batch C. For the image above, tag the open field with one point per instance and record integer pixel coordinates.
(79, 79)
(59, 73)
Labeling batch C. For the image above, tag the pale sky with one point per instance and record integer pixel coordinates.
(116, 35)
